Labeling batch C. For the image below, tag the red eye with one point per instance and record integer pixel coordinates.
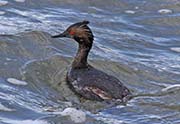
(71, 32)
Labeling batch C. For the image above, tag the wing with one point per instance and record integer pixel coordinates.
(93, 83)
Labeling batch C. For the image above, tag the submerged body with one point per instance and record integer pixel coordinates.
(84, 79)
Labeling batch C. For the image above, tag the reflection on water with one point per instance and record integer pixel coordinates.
(135, 41)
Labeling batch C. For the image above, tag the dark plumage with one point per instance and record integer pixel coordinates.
(84, 79)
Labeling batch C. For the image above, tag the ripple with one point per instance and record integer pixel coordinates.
(109, 119)
(12, 121)
(171, 87)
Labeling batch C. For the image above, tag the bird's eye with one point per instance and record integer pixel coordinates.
(71, 32)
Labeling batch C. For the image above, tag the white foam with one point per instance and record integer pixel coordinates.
(16, 81)
(164, 11)
(175, 86)
(2, 12)
(130, 12)
(3, 2)
(20, 1)
(176, 49)
(4, 108)
(77, 116)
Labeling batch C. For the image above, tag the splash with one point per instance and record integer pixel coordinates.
(77, 116)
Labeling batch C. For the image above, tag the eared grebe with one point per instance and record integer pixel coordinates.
(84, 79)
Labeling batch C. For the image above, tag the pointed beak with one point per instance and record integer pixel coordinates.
(64, 34)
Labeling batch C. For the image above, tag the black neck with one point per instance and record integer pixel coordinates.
(80, 60)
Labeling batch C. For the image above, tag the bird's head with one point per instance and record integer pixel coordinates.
(80, 32)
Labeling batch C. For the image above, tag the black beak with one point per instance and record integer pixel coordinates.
(64, 34)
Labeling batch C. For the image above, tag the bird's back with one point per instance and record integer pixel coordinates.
(94, 84)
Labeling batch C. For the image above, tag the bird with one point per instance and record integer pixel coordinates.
(84, 79)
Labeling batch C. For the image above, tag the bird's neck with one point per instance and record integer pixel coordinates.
(80, 60)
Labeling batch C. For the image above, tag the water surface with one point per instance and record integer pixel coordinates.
(137, 41)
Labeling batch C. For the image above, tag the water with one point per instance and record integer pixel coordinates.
(136, 41)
